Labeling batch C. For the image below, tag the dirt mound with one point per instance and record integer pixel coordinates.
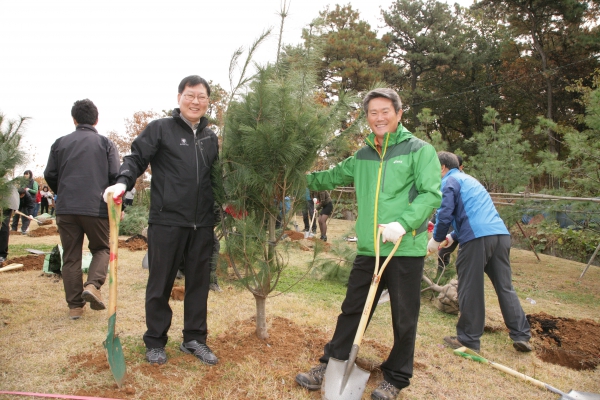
(134, 243)
(278, 354)
(30, 263)
(52, 230)
(293, 235)
(565, 341)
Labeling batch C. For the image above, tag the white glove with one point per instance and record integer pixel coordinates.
(118, 190)
(432, 246)
(392, 232)
(448, 241)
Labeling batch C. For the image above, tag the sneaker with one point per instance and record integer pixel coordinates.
(94, 297)
(156, 355)
(522, 346)
(454, 343)
(76, 313)
(385, 391)
(179, 275)
(24, 233)
(324, 238)
(200, 350)
(215, 287)
(313, 379)
(2, 259)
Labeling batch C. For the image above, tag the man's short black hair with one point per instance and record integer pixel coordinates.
(460, 160)
(85, 112)
(386, 93)
(21, 191)
(193, 80)
(448, 159)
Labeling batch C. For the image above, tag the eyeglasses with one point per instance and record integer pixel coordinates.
(190, 97)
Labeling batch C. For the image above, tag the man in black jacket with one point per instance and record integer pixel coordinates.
(183, 153)
(79, 167)
(26, 205)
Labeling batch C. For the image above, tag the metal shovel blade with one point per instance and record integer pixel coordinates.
(334, 375)
(574, 394)
(114, 352)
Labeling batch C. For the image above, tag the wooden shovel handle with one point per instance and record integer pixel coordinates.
(114, 218)
(374, 284)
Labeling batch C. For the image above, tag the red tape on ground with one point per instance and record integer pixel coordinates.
(56, 396)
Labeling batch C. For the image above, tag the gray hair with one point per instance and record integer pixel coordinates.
(386, 93)
(448, 159)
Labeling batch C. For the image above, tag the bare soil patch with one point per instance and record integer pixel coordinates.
(51, 230)
(30, 263)
(134, 243)
(566, 341)
(278, 355)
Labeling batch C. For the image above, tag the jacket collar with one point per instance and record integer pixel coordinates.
(176, 114)
(400, 135)
(85, 127)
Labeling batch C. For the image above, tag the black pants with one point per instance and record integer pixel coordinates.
(402, 277)
(24, 220)
(166, 245)
(5, 233)
(489, 255)
(307, 214)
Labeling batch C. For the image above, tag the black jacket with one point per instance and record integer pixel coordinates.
(185, 173)
(26, 204)
(80, 166)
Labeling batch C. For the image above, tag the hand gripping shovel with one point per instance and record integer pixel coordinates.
(112, 344)
(572, 395)
(344, 380)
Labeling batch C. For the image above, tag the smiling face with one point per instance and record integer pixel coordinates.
(194, 109)
(382, 117)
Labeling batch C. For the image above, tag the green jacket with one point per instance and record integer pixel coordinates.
(402, 184)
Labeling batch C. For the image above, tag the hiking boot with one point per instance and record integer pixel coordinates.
(156, 355)
(215, 287)
(76, 313)
(385, 391)
(454, 343)
(522, 346)
(313, 379)
(94, 297)
(200, 350)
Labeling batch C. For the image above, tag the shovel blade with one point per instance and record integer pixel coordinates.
(114, 352)
(332, 381)
(574, 394)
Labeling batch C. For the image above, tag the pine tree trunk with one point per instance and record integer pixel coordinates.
(261, 317)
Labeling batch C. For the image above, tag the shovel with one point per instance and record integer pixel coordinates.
(572, 395)
(344, 380)
(112, 344)
(39, 221)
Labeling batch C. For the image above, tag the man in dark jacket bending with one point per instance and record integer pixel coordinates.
(183, 153)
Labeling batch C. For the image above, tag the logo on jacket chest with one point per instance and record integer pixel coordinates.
(183, 142)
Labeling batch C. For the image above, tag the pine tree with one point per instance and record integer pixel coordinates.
(10, 154)
(272, 136)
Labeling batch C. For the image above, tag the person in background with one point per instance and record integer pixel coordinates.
(129, 196)
(325, 206)
(445, 252)
(26, 206)
(308, 213)
(12, 204)
(400, 204)
(38, 201)
(46, 201)
(186, 182)
(30, 184)
(53, 205)
(484, 248)
(88, 160)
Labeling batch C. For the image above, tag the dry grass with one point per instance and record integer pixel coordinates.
(41, 350)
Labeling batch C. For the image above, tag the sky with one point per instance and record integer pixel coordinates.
(128, 56)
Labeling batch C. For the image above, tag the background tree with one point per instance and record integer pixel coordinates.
(11, 155)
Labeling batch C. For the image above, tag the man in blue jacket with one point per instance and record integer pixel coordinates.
(484, 247)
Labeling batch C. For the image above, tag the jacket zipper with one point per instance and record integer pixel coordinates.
(379, 187)
(197, 177)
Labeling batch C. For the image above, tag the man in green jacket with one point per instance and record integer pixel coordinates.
(397, 182)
